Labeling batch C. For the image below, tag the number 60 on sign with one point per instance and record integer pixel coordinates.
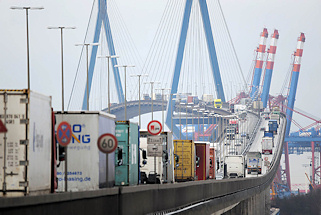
(107, 143)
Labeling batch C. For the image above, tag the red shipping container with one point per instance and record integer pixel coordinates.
(212, 163)
(203, 164)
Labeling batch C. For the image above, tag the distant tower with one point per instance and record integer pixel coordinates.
(259, 63)
(269, 68)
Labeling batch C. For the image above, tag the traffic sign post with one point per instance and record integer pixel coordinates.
(64, 138)
(154, 127)
(64, 133)
(107, 143)
(154, 145)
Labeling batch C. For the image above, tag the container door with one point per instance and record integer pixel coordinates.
(122, 165)
(13, 144)
(133, 154)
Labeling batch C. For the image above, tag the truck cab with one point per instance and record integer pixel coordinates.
(218, 103)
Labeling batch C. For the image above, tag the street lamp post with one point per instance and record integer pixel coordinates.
(163, 105)
(62, 62)
(108, 75)
(125, 66)
(87, 83)
(151, 93)
(139, 76)
(191, 105)
(27, 22)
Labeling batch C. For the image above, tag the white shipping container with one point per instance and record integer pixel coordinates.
(86, 165)
(267, 145)
(26, 149)
(164, 168)
(235, 166)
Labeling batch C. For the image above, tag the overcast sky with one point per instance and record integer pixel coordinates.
(245, 20)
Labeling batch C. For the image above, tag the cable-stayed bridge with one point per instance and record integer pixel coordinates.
(193, 61)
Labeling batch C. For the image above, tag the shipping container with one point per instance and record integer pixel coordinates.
(202, 160)
(254, 162)
(267, 145)
(127, 163)
(234, 166)
(87, 167)
(164, 163)
(212, 163)
(26, 148)
(184, 151)
(273, 126)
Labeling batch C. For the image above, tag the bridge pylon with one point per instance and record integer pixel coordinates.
(103, 20)
(179, 58)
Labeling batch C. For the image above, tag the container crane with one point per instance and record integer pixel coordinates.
(269, 68)
(259, 64)
(290, 100)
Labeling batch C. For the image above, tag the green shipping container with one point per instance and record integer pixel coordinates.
(126, 171)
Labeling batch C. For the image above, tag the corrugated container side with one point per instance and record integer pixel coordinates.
(127, 136)
(213, 166)
(27, 148)
(121, 170)
(133, 154)
(185, 149)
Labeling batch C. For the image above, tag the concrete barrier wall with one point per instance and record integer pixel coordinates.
(146, 198)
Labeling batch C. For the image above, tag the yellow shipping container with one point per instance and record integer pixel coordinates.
(185, 149)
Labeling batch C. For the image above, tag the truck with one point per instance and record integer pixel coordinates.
(234, 165)
(239, 108)
(87, 167)
(254, 162)
(185, 160)
(267, 145)
(27, 149)
(208, 98)
(218, 103)
(127, 153)
(275, 116)
(234, 123)
(273, 126)
(230, 133)
(203, 160)
(164, 164)
(258, 105)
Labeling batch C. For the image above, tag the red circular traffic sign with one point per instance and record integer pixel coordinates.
(64, 133)
(154, 127)
(107, 143)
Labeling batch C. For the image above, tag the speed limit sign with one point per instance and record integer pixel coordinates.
(107, 143)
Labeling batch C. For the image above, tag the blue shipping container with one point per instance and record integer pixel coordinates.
(268, 134)
(273, 126)
(126, 171)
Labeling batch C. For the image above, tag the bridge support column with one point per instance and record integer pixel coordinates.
(267, 201)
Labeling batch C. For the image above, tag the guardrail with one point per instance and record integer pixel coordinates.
(146, 198)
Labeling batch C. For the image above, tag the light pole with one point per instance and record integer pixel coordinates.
(125, 66)
(139, 76)
(62, 62)
(163, 104)
(151, 94)
(27, 14)
(191, 105)
(180, 124)
(108, 75)
(86, 45)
